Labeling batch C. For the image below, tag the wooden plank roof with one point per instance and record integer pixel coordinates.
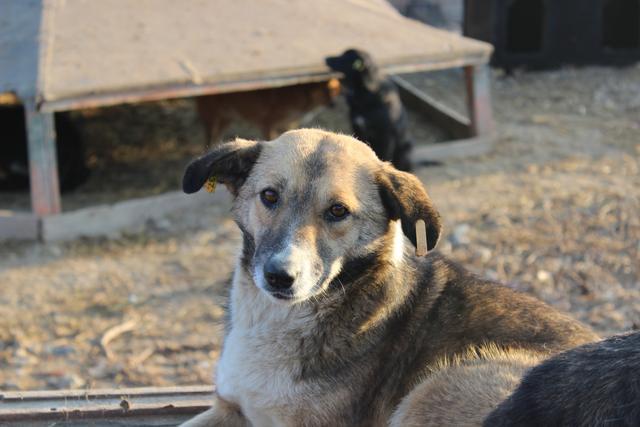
(112, 51)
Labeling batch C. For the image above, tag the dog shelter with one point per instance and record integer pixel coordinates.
(61, 55)
(547, 34)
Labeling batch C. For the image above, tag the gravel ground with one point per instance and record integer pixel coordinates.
(552, 210)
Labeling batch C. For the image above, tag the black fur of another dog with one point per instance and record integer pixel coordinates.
(595, 384)
(376, 112)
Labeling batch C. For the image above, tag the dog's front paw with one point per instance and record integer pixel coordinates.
(221, 413)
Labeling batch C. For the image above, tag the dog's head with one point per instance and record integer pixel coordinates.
(312, 204)
(357, 66)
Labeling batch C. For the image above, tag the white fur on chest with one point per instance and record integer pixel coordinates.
(258, 366)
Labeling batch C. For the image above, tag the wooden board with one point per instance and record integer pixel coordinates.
(18, 226)
(476, 146)
(19, 46)
(110, 220)
(43, 165)
(113, 51)
(150, 406)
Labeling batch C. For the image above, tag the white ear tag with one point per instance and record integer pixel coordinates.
(421, 238)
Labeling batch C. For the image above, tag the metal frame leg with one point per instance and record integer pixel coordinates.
(478, 85)
(43, 165)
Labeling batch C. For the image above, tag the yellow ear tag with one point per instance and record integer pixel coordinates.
(210, 185)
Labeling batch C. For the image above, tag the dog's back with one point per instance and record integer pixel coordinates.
(592, 385)
(596, 384)
(451, 310)
(463, 391)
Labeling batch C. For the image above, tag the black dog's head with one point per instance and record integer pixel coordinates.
(358, 68)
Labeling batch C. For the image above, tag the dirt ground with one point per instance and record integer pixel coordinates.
(552, 210)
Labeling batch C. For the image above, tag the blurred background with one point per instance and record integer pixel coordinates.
(550, 208)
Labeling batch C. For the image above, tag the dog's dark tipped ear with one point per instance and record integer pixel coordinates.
(404, 198)
(230, 163)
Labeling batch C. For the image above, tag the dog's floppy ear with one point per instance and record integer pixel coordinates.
(404, 198)
(229, 163)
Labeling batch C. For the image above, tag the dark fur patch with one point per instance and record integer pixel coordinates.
(315, 164)
(372, 267)
(592, 385)
(354, 269)
(248, 250)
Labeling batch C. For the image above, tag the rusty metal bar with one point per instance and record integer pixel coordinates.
(43, 169)
(103, 407)
(478, 86)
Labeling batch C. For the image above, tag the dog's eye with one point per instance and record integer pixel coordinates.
(337, 212)
(358, 65)
(269, 197)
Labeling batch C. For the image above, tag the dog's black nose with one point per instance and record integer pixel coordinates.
(276, 276)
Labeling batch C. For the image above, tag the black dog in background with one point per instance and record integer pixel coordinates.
(376, 112)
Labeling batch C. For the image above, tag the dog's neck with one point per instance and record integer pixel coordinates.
(377, 284)
(367, 81)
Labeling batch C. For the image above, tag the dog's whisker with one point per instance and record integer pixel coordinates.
(344, 291)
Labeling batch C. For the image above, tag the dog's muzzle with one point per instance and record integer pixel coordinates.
(279, 280)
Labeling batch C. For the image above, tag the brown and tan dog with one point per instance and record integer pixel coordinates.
(333, 320)
(273, 111)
